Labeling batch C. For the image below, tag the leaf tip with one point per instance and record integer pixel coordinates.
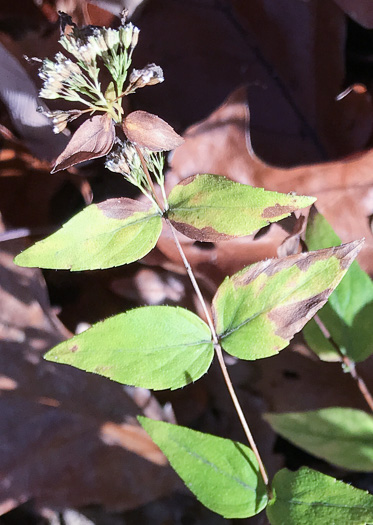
(22, 260)
(348, 252)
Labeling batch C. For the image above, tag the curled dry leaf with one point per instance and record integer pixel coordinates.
(93, 139)
(292, 244)
(151, 132)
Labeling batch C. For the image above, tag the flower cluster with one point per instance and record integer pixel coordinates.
(148, 76)
(76, 77)
(124, 159)
(88, 43)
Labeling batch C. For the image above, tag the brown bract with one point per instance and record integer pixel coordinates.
(93, 139)
(151, 132)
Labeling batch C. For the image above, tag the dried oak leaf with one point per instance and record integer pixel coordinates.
(151, 132)
(93, 139)
(222, 144)
(359, 10)
(68, 438)
(296, 117)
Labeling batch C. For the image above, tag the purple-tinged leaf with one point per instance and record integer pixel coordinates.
(93, 139)
(151, 132)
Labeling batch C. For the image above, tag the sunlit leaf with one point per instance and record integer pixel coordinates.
(151, 132)
(93, 139)
(308, 497)
(155, 347)
(114, 232)
(343, 436)
(349, 312)
(214, 208)
(223, 474)
(259, 309)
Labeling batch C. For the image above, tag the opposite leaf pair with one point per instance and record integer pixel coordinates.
(256, 313)
(120, 231)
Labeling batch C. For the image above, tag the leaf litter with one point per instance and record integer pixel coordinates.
(298, 138)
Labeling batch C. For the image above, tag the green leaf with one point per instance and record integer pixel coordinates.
(307, 497)
(214, 208)
(114, 232)
(223, 474)
(153, 347)
(259, 309)
(342, 436)
(349, 311)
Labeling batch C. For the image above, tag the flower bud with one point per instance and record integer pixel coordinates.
(111, 37)
(135, 36)
(125, 35)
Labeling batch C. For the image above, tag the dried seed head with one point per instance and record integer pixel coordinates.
(148, 76)
(117, 162)
(60, 118)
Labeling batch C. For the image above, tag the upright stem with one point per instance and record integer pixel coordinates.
(359, 381)
(219, 354)
(245, 426)
(194, 283)
(350, 365)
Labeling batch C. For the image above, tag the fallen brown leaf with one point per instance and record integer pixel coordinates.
(68, 438)
(344, 188)
(291, 56)
(358, 10)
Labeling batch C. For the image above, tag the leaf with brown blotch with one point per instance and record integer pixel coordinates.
(151, 132)
(258, 310)
(93, 139)
(124, 231)
(212, 208)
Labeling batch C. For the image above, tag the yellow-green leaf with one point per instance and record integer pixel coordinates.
(154, 347)
(348, 313)
(223, 474)
(112, 233)
(307, 497)
(343, 436)
(259, 309)
(214, 208)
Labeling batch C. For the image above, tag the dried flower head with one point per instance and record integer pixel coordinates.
(60, 118)
(147, 76)
(75, 76)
